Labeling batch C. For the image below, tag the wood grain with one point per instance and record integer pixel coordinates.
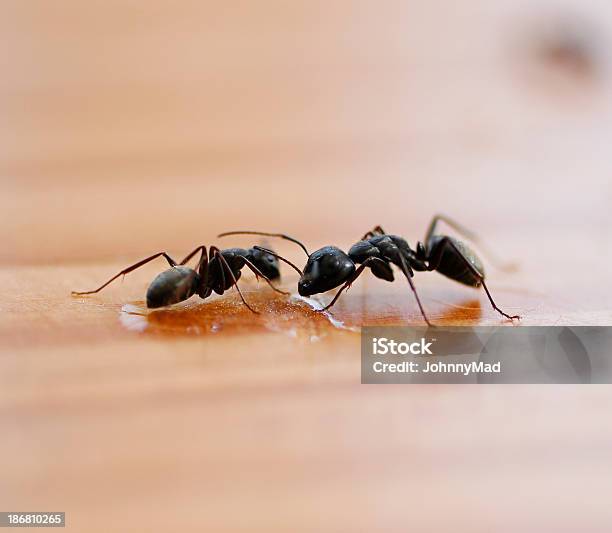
(131, 128)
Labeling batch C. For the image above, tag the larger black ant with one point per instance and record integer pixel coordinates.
(329, 267)
(218, 273)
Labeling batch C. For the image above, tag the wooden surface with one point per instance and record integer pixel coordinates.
(130, 130)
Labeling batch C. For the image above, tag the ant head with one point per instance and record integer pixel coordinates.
(268, 258)
(326, 269)
(172, 286)
(265, 262)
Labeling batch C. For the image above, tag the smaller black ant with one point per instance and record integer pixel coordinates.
(216, 270)
(329, 267)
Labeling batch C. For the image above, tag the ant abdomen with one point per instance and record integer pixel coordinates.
(450, 261)
(172, 286)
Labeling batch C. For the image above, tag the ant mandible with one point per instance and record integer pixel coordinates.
(216, 270)
(329, 267)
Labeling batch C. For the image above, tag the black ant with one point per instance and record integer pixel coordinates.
(329, 267)
(218, 273)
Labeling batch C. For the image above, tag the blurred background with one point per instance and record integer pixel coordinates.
(129, 127)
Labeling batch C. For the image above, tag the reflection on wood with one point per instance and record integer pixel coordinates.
(130, 127)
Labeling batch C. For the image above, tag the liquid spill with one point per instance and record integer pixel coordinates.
(296, 317)
(318, 306)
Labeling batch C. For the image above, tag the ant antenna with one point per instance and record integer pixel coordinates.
(280, 235)
(268, 251)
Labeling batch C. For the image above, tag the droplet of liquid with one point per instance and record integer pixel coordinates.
(227, 315)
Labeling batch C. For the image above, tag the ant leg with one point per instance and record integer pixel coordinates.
(217, 253)
(191, 254)
(510, 317)
(408, 273)
(455, 225)
(470, 235)
(202, 269)
(377, 230)
(258, 273)
(367, 263)
(353, 277)
(128, 270)
(221, 269)
(434, 262)
(202, 266)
